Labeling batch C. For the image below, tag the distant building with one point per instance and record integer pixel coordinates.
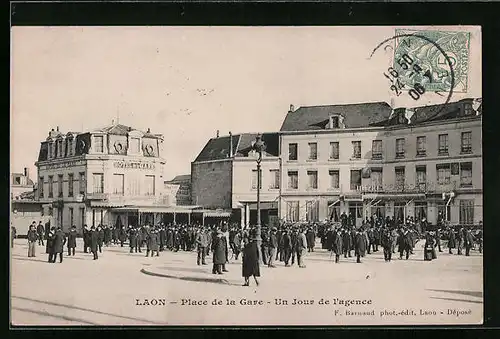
(20, 183)
(224, 177)
(183, 194)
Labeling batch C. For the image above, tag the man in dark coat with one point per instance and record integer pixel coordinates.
(250, 264)
(286, 245)
(272, 246)
(346, 242)
(459, 236)
(219, 253)
(94, 242)
(265, 245)
(404, 243)
(370, 239)
(311, 239)
(58, 245)
(100, 239)
(469, 241)
(343, 219)
(114, 235)
(387, 242)
(32, 238)
(132, 239)
(279, 250)
(152, 243)
(86, 238)
(107, 235)
(40, 230)
(359, 245)
(122, 235)
(49, 248)
(301, 248)
(201, 245)
(438, 239)
(72, 241)
(163, 238)
(376, 238)
(451, 240)
(336, 245)
(237, 244)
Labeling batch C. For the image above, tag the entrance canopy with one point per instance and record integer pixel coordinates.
(403, 197)
(155, 209)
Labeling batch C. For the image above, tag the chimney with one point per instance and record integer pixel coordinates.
(217, 133)
(27, 173)
(57, 128)
(292, 108)
(112, 122)
(230, 144)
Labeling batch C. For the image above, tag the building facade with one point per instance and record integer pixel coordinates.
(224, 177)
(20, 183)
(183, 193)
(370, 159)
(85, 177)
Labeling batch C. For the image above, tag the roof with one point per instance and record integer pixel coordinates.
(183, 177)
(355, 115)
(117, 129)
(218, 148)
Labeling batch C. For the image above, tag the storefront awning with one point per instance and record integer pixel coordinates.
(403, 196)
(216, 214)
(153, 209)
(265, 205)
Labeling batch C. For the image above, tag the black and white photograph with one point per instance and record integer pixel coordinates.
(246, 176)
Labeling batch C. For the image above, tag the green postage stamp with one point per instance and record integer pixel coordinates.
(432, 59)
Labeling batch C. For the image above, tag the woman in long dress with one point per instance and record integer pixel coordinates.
(250, 266)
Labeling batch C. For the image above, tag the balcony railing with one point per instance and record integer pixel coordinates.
(427, 187)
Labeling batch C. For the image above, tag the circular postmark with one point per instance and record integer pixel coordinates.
(427, 64)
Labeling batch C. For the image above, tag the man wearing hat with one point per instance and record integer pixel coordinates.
(311, 239)
(301, 248)
(152, 243)
(286, 245)
(72, 241)
(336, 244)
(250, 263)
(94, 242)
(273, 245)
(201, 243)
(40, 230)
(32, 238)
(359, 245)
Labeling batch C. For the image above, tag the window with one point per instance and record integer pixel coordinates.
(59, 148)
(49, 150)
(355, 179)
(255, 179)
(376, 179)
(98, 183)
(118, 184)
(334, 122)
(377, 212)
(377, 149)
(421, 177)
(275, 179)
(293, 179)
(292, 151)
(82, 216)
(334, 150)
(443, 144)
(60, 185)
(420, 210)
(313, 151)
(400, 178)
(466, 142)
(356, 149)
(292, 211)
(70, 184)
(466, 174)
(334, 179)
(99, 144)
(421, 152)
(466, 216)
(51, 186)
(334, 211)
(443, 174)
(69, 146)
(135, 145)
(40, 188)
(150, 185)
(443, 212)
(313, 179)
(400, 148)
(356, 210)
(468, 109)
(399, 211)
(81, 182)
(71, 220)
(312, 211)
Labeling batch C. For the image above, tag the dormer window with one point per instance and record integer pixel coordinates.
(468, 110)
(135, 146)
(59, 146)
(99, 144)
(69, 146)
(335, 121)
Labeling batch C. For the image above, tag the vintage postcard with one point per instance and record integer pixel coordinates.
(238, 176)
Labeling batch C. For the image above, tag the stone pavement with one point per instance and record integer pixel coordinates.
(129, 289)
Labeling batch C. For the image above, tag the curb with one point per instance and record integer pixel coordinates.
(196, 279)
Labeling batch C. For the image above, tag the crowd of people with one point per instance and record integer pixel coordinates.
(287, 243)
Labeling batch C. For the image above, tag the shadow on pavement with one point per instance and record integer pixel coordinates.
(73, 307)
(195, 279)
(476, 294)
(43, 313)
(459, 300)
(183, 269)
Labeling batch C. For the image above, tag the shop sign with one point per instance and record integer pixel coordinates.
(135, 165)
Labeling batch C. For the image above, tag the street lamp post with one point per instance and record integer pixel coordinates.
(259, 147)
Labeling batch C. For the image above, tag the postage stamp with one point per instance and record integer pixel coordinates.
(428, 57)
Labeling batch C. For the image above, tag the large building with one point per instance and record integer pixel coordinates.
(111, 175)
(366, 159)
(183, 193)
(224, 177)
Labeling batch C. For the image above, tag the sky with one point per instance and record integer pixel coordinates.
(188, 82)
